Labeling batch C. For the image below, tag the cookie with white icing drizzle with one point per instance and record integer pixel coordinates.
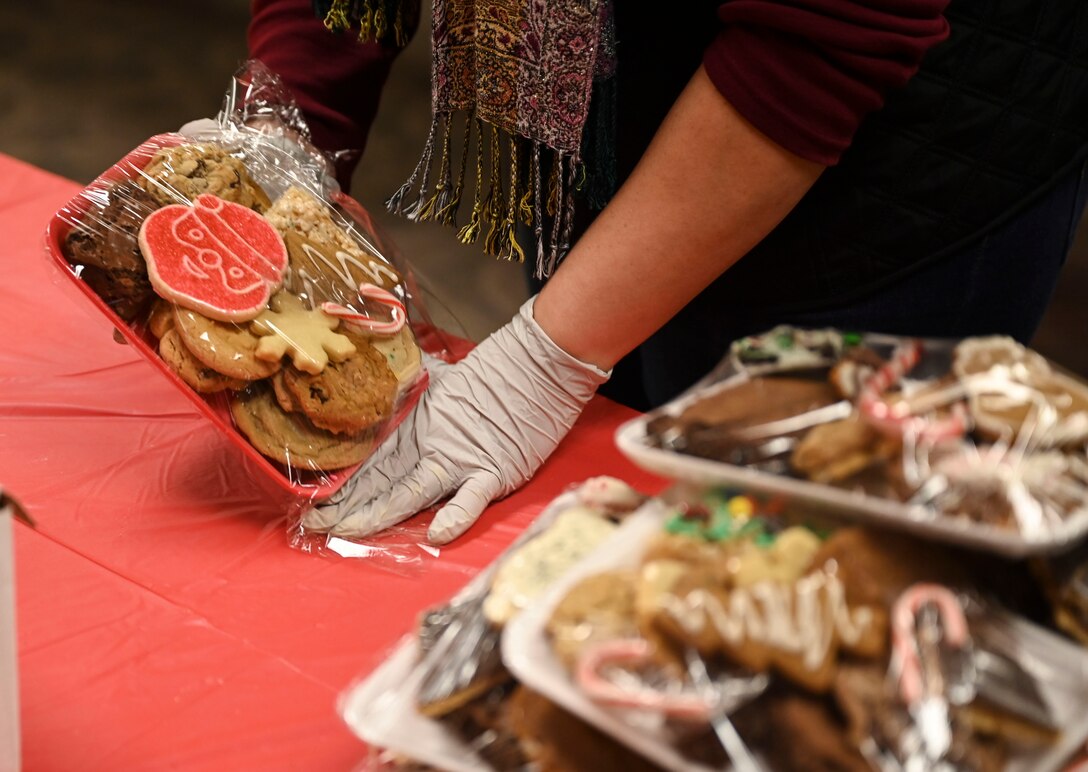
(766, 606)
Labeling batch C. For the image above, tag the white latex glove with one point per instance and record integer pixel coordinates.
(480, 431)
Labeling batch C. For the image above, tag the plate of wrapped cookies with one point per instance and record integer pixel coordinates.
(721, 630)
(444, 699)
(266, 304)
(980, 442)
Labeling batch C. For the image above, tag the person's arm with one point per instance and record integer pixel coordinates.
(709, 187)
(336, 79)
(780, 95)
(783, 89)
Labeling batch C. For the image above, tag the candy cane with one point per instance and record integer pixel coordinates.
(896, 418)
(903, 632)
(631, 651)
(364, 321)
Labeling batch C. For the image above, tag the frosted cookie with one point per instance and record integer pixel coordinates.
(230, 349)
(288, 328)
(794, 628)
(177, 175)
(975, 356)
(345, 397)
(291, 439)
(790, 348)
(770, 606)
(328, 272)
(1012, 390)
(214, 257)
(300, 212)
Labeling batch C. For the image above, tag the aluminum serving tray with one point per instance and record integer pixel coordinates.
(1060, 665)
(633, 440)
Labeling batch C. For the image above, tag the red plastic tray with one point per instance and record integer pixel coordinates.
(302, 483)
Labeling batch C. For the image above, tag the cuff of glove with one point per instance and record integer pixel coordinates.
(553, 352)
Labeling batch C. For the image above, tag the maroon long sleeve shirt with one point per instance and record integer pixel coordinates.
(807, 72)
(803, 72)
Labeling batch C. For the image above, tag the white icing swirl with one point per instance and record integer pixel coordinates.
(801, 619)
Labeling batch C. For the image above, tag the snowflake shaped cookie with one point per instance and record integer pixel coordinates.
(309, 337)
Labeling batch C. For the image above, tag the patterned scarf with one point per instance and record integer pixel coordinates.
(530, 85)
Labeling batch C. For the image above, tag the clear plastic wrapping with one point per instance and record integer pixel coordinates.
(444, 698)
(228, 256)
(798, 642)
(979, 441)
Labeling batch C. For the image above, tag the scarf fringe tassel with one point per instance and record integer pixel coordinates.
(530, 206)
(371, 16)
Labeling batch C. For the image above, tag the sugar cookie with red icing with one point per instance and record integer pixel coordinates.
(214, 257)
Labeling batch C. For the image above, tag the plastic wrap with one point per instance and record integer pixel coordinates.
(799, 643)
(444, 697)
(979, 441)
(229, 258)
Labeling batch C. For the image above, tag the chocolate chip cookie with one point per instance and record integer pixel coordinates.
(177, 175)
(191, 370)
(349, 396)
(290, 438)
(230, 349)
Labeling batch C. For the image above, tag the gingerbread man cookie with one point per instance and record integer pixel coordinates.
(288, 327)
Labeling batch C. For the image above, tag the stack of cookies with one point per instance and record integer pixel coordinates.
(828, 611)
(307, 388)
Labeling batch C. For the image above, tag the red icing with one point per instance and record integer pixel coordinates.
(215, 257)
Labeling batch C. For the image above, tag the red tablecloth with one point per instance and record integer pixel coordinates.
(163, 620)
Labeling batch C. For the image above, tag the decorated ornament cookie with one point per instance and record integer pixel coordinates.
(288, 327)
(214, 257)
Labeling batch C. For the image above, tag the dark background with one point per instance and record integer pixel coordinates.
(81, 83)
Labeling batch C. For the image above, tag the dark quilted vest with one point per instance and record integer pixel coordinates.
(995, 115)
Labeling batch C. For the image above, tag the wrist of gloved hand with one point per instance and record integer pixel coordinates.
(481, 430)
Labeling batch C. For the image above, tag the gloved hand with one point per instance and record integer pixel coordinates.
(480, 431)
